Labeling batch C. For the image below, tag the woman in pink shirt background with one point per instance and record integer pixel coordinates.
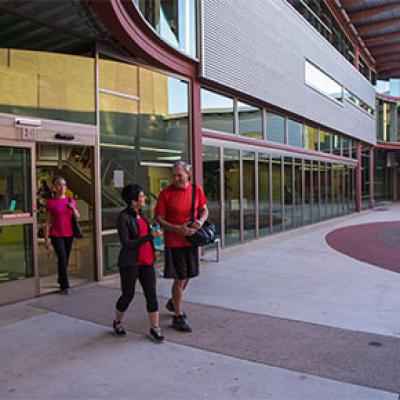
(58, 229)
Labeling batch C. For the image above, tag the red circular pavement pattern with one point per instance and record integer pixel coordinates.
(377, 243)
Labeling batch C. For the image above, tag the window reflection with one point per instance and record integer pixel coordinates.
(212, 184)
(263, 193)
(250, 120)
(288, 192)
(295, 133)
(174, 20)
(307, 191)
(276, 194)
(311, 138)
(275, 128)
(249, 201)
(216, 112)
(232, 196)
(48, 85)
(322, 82)
(298, 193)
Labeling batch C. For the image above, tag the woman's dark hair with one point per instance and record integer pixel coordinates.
(131, 192)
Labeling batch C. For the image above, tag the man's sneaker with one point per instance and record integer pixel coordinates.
(169, 305)
(67, 291)
(155, 335)
(180, 324)
(119, 330)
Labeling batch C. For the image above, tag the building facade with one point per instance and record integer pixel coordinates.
(273, 105)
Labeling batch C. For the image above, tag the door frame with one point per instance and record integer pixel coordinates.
(25, 288)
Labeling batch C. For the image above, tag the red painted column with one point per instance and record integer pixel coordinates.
(359, 177)
(197, 160)
(372, 176)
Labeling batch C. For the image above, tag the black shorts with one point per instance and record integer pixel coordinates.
(181, 262)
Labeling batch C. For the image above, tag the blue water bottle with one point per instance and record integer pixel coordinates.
(158, 241)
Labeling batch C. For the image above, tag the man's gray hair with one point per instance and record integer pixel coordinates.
(182, 164)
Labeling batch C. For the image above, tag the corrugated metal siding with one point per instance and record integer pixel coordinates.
(259, 47)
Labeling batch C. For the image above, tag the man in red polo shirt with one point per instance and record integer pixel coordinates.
(181, 260)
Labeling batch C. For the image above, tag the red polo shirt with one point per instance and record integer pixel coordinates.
(174, 205)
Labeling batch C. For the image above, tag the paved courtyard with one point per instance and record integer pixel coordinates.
(312, 313)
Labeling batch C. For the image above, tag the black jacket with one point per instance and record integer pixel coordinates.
(128, 231)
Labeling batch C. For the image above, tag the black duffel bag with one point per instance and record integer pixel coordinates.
(204, 235)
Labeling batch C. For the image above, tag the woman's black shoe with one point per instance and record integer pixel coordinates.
(119, 330)
(155, 335)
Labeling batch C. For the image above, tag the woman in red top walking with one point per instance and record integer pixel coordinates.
(58, 228)
(136, 260)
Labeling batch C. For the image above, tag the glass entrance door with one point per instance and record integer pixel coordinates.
(17, 223)
(75, 164)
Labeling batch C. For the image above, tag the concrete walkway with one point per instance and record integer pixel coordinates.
(285, 317)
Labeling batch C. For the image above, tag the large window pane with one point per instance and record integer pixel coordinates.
(276, 194)
(164, 121)
(311, 138)
(174, 20)
(325, 141)
(329, 191)
(322, 82)
(275, 128)
(315, 195)
(232, 196)
(118, 120)
(15, 187)
(212, 184)
(118, 168)
(48, 85)
(249, 188)
(250, 120)
(216, 112)
(16, 252)
(288, 192)
(263, 194)
(323, 192)
(307, 191)
(337, 145)
(295, 133)
(298, 193)
(119, 77)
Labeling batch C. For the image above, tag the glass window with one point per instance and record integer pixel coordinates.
(15, 178)
(307, 191)
(164, 117)
(174, 20)
(16, 252)
(345, 146)
(276, 194)
(48, 85)
(295, 133)
(118, 168)
(298, 193)
(156, 125)
(325, 141)
(250, 120)
(275, 128)
(288, 192)
(263, 194)
(212, 184)
(311, 138)
(337, 145)
(329, 191)
(315, 195)
(216, 112)
(119, 119)
(249, 195)
(323, 192)
(322, 82)
(119, 77)
(232, 195)
(111, 248)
